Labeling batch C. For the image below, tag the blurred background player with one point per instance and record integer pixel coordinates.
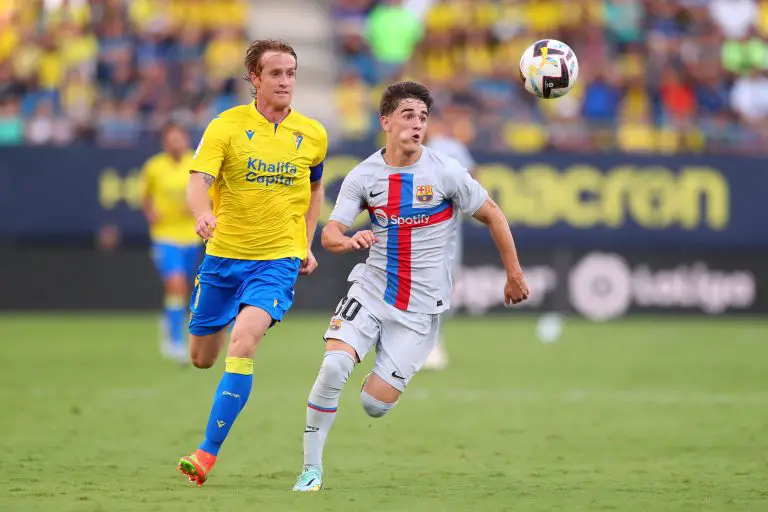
(442, 138)
(265, 163)
(176, 248)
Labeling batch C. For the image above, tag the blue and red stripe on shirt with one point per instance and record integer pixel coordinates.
(399, 247)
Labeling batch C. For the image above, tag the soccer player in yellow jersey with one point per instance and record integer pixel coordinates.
(264, 162)
(176, 248)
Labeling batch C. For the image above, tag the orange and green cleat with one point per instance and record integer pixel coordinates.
(197, 466)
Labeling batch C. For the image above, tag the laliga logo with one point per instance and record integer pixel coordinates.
(604, 286)
(384, 221)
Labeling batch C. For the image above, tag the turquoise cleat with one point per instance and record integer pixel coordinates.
(310, 480)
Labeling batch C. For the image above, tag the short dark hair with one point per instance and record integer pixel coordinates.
(171, 126)
(258, 48)
(400, 91)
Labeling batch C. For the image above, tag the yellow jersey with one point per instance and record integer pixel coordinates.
(262, 174)
(165, 181)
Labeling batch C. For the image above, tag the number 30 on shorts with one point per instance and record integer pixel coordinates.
(348, 308)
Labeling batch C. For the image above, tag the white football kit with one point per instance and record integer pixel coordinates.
(398, 293)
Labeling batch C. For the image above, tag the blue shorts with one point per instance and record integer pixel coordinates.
(176, 259)
(224, 285)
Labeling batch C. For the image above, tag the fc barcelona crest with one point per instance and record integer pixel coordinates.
(424, 193)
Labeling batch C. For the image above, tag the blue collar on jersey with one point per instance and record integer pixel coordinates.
(262, 116)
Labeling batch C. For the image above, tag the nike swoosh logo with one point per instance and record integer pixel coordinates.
(378, 194)
(398, 376)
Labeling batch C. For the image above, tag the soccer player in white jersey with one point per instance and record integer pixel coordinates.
(413, 195)
(440, 139)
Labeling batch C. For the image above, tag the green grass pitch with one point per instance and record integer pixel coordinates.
(641, 415)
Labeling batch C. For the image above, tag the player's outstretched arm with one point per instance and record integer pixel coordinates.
(515, 289)
(199, 203)
(334, 239)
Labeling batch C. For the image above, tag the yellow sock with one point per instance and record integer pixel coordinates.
(239, 365)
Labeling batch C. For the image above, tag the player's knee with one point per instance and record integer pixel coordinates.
(202, 362)
(200, 357)
(204, 350)
(373, 407)
(337, 366)
(176, 285)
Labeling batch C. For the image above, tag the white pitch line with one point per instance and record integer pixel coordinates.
(659, 397)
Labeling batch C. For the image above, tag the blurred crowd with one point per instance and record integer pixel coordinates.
(114, 71)
(657, 76)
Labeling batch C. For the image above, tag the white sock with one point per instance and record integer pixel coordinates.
(323, 403)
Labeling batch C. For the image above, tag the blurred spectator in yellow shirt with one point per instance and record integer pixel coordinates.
(150, 15)
(544, 16)
(50, 66)
(26, 56)
(77, 49)
(443, 16)
(224, 55)
(352, 105)
(78, 96)
(9, 39)
(477, 56)
(438, 58)
(67, 12)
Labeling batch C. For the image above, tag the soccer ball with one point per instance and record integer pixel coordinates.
(549, 68)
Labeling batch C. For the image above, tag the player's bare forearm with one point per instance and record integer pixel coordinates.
(334, 239)
(198, 200)
(148, 209)
(515, 289)
(491, 215)
(199, 203)
(313, 213)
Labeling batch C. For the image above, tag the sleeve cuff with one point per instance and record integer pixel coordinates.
(340, 220)
(473, 210)
(209, 173)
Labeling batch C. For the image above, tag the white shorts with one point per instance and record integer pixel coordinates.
(403, 339)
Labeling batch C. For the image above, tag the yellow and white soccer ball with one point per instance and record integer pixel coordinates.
(549, 68)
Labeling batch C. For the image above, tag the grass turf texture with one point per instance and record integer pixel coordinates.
(651, 414)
